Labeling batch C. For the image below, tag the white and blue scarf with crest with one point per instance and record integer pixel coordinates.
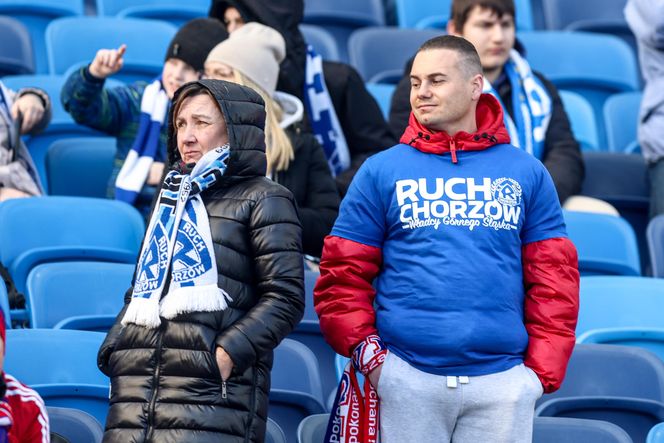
(178, 240)
(322, 116)
(531, 106)
(136, 167)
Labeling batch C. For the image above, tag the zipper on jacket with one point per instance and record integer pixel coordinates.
(453, 150)
(155, 389)
(224, 392)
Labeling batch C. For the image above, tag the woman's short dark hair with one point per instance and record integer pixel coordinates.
(461, 9)
(190, 90)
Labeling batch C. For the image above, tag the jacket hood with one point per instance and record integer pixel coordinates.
(292, 107)
(491, 131)
(244, 112)
(283, 16)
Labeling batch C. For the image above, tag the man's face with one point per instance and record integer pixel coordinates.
(493, 37)
(441, 95)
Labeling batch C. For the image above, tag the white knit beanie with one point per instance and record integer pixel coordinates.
(256, 51)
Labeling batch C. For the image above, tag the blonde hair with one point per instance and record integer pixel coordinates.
(278, 147)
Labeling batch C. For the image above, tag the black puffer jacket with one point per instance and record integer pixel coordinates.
(165, 383)
(364, 127)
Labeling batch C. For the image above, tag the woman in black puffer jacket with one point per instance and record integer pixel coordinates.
(200, 371)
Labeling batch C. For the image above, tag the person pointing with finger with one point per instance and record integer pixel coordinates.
(135, 114)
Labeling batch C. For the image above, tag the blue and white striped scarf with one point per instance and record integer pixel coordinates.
(323, 117)
(179, 244)
(531, 106)
(136, 167)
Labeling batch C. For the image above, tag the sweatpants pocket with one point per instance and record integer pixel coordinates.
(537, 384)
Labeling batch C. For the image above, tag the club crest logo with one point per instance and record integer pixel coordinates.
(153, 261)
(506, 191)
(191, 258)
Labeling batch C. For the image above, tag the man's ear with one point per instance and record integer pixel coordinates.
(477, 84)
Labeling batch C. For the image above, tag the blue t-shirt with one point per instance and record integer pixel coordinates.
(450, 295)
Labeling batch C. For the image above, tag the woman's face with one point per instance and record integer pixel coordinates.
(232, 19)
(199, 127)
(219, 71)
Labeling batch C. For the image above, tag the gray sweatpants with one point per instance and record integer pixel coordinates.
(419, 407)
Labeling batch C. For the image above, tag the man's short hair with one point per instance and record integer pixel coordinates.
(469, 60)
(461, 10)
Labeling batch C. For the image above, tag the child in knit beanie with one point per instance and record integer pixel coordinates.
(135, 114)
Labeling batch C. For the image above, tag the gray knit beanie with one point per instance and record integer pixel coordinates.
(256, 51)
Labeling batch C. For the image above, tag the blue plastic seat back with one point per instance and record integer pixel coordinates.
(655, 237)
(74, 425)
(611, 302)
(341, 17)
(577, 430)
(421, 14)
(75, 41)
(621, 116)
(289, 408)
(382, 92)
(54, 356)
(582, 119)
(611, 371)
(618, 178)
(295, 368)
(651, 339)
(380, 54)
(80, 166)
(90, 398)
(4, 304)
(593, 65)
(66, 228)
(322, 41)
(60, 290)
(559, 14)
(656, 434)
(312, 429)
(16, 55)
(606, 244)
(176, 13)
(36, 16)
(273, 433)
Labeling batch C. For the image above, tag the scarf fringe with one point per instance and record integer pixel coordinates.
(208, 298)
(142, 312)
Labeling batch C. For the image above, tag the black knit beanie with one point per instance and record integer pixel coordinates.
(195, 39)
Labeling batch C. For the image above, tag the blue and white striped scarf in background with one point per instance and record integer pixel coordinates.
(531, 106)
(178, 240)
(136, 167)
(322, 116)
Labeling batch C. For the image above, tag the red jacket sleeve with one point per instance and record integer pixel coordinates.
(551, 279)
(343, 296)
(29, 416)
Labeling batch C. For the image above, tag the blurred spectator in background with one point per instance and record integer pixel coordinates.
(341, 112)
(136, 113)
(251, 57)
(646, 20)
(31, 108)
(534, 113)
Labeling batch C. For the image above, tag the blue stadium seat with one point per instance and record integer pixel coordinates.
(422, 14)
(4, 304)
(312, 429)
(656, 434)
(616, 302)
(341, 17)
(322, 41)
(71, 42)
(61, 366)
(651, 339)
(57, 291)
(561, 14)
(47, 229)
(593, 65)
(74, 425)
(620, 384)
(380, 54)
(36, 15)
(655, 238)
(81, 166)
(621, 116)
(582, 119)
(606, 244)
(273, 433)
(176, 13)
(16, 56)
(382, 92)
(577, 430)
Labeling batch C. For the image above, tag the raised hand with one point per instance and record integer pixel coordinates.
(107, 62)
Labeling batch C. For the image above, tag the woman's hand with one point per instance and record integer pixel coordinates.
(224, 362)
